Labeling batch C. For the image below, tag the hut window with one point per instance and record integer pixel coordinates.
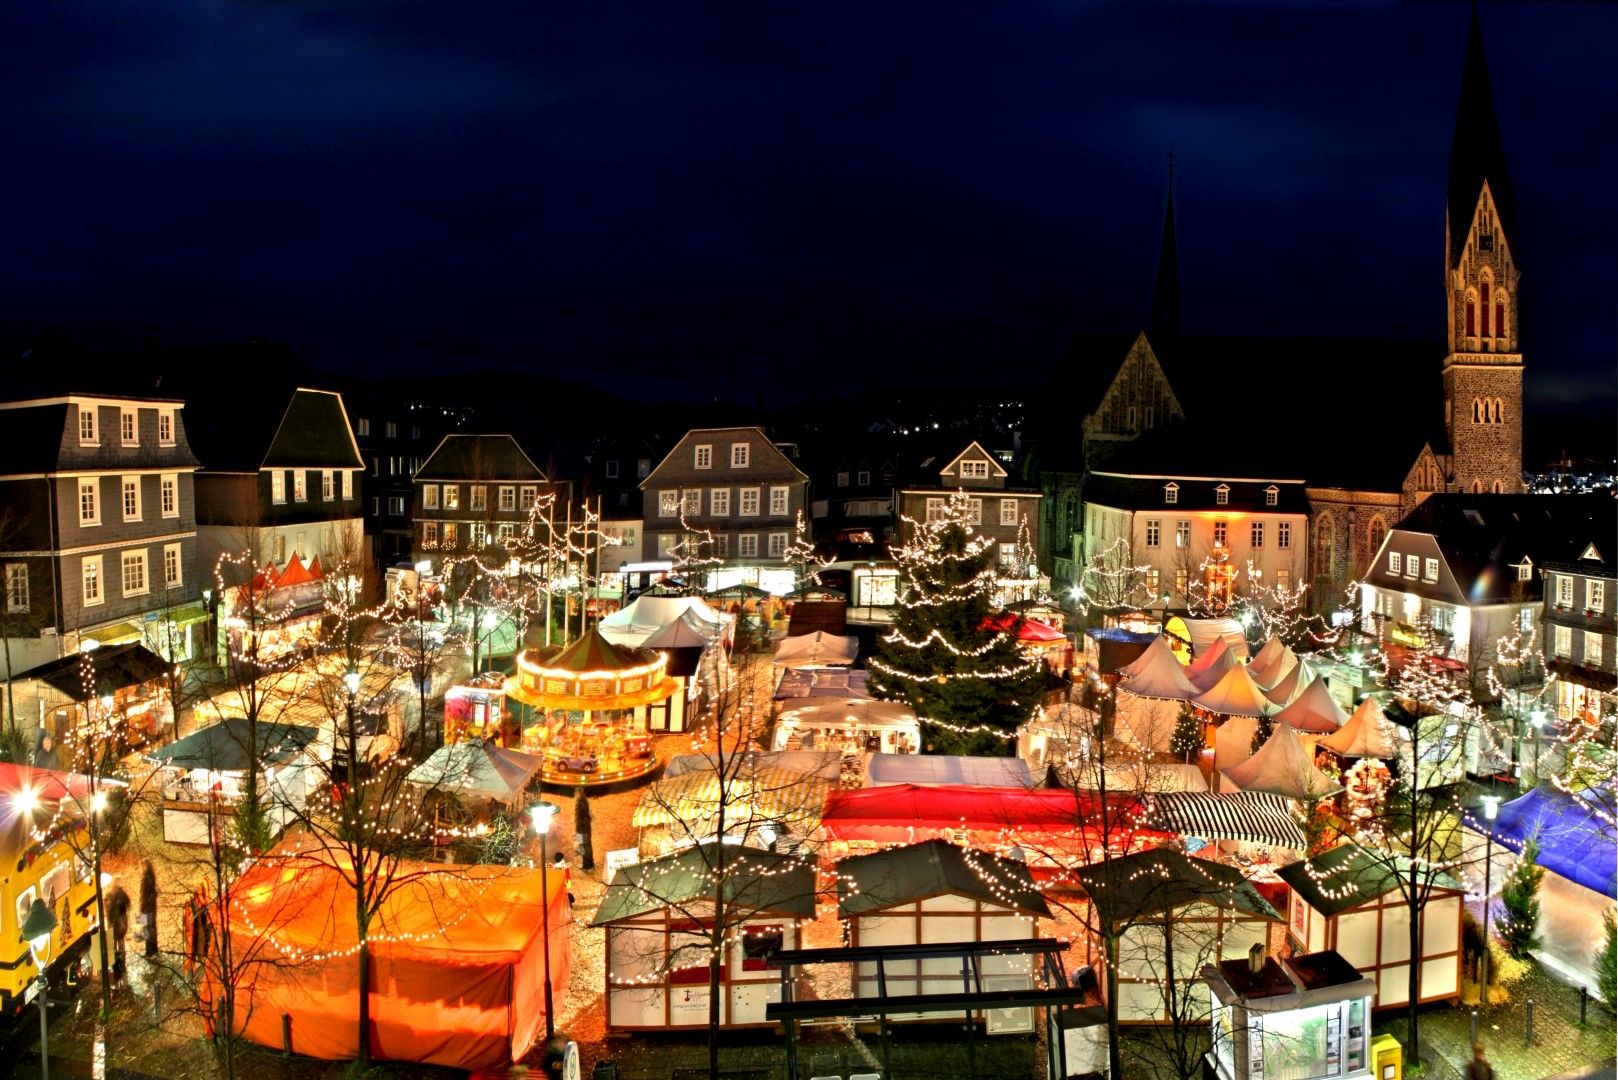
(757, 948)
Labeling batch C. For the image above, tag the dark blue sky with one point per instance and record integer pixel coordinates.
(782, 198)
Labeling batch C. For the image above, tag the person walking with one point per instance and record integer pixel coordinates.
(1479, 1068)
(148, 908)
(117, 928)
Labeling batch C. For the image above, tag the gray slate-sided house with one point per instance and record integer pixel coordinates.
(730, 498)
(1581, 632)
(477, 492)
(1005, 509)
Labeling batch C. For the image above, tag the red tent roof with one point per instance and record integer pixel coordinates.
(46, 784)
(314, 568)
(1025, 629)
(295, 573)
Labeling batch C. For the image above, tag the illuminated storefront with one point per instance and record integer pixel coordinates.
(1306, 1018)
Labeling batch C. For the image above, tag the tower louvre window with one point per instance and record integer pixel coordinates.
(1483, 292)
(1471, 317)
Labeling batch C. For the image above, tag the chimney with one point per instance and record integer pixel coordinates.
(1255, 959)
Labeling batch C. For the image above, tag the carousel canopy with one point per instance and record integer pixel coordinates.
(478, 768)
(818, 649)
(904, 875)
(754, 880)
(591, 674)
(224, 747)
(1575, 834)
(1158, 674)
(1348, 875)
(936, 769)
(750, 795)
(1267, 656)
(1365, 734)
(1282, 766)
(1153, 882)
(1236, 694)
(592, 652)
(1251, 816)
(1313, 710)
(111, 668)
(1285, 690)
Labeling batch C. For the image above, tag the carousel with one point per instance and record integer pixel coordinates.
(585, 709)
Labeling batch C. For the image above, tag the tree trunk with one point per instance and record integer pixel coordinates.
(1413, 1050)
(364, 1058)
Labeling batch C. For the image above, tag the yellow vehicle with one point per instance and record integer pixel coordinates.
(42, 831)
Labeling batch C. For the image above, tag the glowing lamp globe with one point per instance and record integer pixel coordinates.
(352, 681)
(1491, 807)
(543, 813)
(37, 929)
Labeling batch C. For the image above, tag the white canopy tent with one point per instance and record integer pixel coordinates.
(631, 626)
(1287, 688)
(1236, 694)
(1147, 657)
(1203, 633)
(1211, 664)
(1153, 777)
(1277, 671)
(891, 722)
(1145, 723)
(476, 770)
(689, 631)
(1282, 766)
(1158, 674)
(1313, 710)
(818, 649)
(935, 769)
(1233, 744)
(1365, 734)
(1266, 657)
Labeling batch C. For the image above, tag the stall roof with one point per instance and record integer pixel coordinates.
(826, 764)
(478, 768)
(750, 797)
(1253, 816)
(1153, 882)
(1348, 875)
(1286, 688)
(857, 713)
(754, 880)
(821, 683)
(115, 667)
(223, 746)
(1158, 674)
(1271, 652)
(1204, 632)
(818, 649)
(1282, 766)
(1211, 664)
(689, 631)
(904, 875)
(1364, 734)
(632, 625)
(860, 813)
(1236, 694)
(1313, 710)
(1576, 838)
(935, 769)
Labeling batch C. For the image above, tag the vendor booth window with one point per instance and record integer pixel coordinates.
(757, 948)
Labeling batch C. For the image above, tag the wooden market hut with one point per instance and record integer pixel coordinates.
(203, 777)
(658, 917)
(936, 893)
(1350, 900)
(1211, 910)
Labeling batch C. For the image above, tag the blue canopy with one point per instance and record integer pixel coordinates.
(1575, 841)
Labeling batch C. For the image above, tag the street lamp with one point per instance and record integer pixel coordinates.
(1491, 807)
(37, 930)
(870, 590)
(543, 813)
(1537, 718)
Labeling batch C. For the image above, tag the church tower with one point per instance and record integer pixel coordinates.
(1483, 371)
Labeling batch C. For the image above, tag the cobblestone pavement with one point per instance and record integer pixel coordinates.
(1560, 1045)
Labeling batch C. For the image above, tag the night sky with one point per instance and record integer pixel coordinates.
(787, 200)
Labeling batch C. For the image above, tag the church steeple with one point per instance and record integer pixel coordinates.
(1484, 370)
(1166, 290)
(1476, 157)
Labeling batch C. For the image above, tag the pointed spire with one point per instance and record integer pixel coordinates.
(1166, 292)
(1476, 155)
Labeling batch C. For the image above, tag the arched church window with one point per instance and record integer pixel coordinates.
(1483, 301)
(1471, 314)
(1477, 487)
(1500, 314)
(1325, 541)
(1498, 488)
(1477, 411)
(1378, 533)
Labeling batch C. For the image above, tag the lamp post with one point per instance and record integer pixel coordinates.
(543, 813)
(870, 590)
(1163, 619)
(1491, 807)
(1537, 718)
(38, 929)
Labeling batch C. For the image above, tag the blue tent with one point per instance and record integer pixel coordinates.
(1575, 841)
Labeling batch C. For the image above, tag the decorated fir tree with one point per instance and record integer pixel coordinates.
(1186, 742)
(1519, 926)
(1607, 959)
(948, 655)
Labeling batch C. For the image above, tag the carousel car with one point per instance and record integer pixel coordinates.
(578, 763)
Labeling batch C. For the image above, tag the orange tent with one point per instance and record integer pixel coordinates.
(457, 959)
(295, 573)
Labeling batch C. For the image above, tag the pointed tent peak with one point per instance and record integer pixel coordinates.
(1157, 673)
(1282, 766)
(1314, 710)
(1148, 657)
(1285, 690)
(1166, 289)
(1364, 734)
(314, 568)
(1267, 655)
(1220, 661)
(1476, 156)
(1273, 674)
(295, 573)
(1236, 694)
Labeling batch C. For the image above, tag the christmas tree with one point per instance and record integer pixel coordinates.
(947, 655)
(1519, 928)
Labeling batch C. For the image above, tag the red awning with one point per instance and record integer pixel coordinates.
(1027, 630)
(47, 785)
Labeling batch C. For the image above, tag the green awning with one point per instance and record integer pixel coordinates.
(116, 634)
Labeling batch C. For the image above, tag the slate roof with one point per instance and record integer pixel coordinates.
(754, 881)
(1348, 875)
(314, 432)
(904, 875)
(1476, 154)
(479, 457)
(1484, 537)
(1149, 883)
(32, 439)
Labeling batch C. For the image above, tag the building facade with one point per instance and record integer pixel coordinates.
(477, 492)
(725, 502)
(1581, 630)
(394, 439)
(1004, 510)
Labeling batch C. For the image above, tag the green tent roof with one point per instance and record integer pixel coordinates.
(754, 881)
(1151, 883)
(1348, 875)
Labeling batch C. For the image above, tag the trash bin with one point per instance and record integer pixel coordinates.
(605, 1070)
(1387, 1058)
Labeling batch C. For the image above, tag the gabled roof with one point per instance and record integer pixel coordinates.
(479, 457)
(1476, 156)
(1348, 875)
(694, 437)
(314, 433)
(994, 463)
(904, 875)
(1484, 538)
(753, 881)
(224, 746)
(1150, 883)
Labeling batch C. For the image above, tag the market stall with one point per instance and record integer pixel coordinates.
(632, 625)
(933, 770)
(1579, 852)
(696, 664)
(477, 771)
(273, 612)
(1350, 900)
(1313, 711)
(477, 710)
(1306, 1018)
(936, 893)
(1212, 664)
(796, 683)
(588, 705)
(852, 727)
(1365, 734)
(128, 683)
(1035, 638)
(1283, 766)
(203, 777)
(1285, 689)
(1150, 899)
(762, 804)
(658, 917)
(816, 650)
(1247, 816)
(457, 978)
(1236, 694)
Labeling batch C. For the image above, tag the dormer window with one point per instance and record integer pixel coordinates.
(704, 457)
(842, 478)
(88, 436)
(1171, 493)
(863, 478)
(740, 455)
(165, 428)
(1272, 495)
(974, 470)
(1525, 570)
(1222, 495)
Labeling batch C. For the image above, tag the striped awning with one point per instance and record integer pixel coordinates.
(750, 796)
(1253, 816)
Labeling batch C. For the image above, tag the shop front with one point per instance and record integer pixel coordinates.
(119, 692)
(1306, 1018)
(477, 710)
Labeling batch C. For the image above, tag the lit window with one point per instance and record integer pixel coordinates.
(452, 497)
(693, 502)
(1563, 641)
(429, 497)
(747, 545)
(1429, 570)
(477, 535)
(778, 545)
(704, 457)
(935, 509)
(668, 504)
(165, 428)
(528, 497)
(1283, 580)
(749, 502)
(328, 488)
(1008, 511)
(91, 572)
(1182, 533)
(1171, 494)
(451, 535)
(128, 434)
(779, 499)
(1592, 649)
(16, 587)
(1564, 590)
(1219, 534)
(480, 497)
(719, 502)
(168, 494)
(1595, 595)
(429, 534)
(89, 504)
(171, 566)
(1395, 563)
(1153, 527)
(508, 498)
(278, 486)
(974, 470)
(300, 485)
(1153, 577)
(1222, 495)
(740, 458)
(134, 573)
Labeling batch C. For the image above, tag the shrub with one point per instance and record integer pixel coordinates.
(1607, 960)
